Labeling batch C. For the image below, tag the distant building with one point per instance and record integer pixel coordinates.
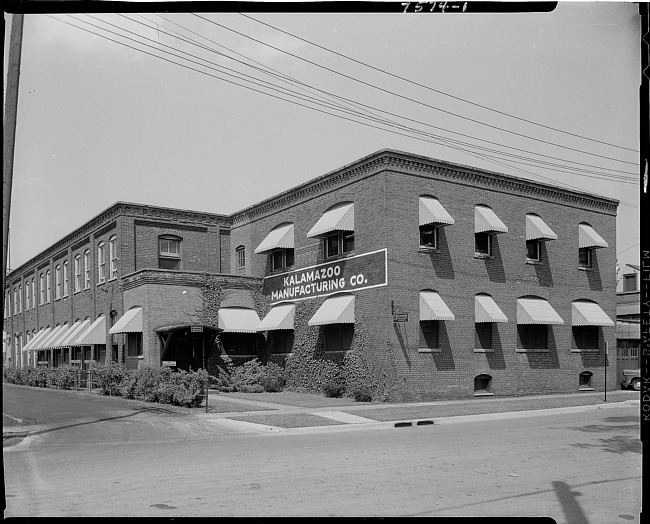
(458, 281)
(628, 320)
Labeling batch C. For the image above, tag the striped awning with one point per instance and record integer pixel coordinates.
(280, 237)
(280, 317)
(338, 309)
(587, 237)
(536, 311)
(589, 314)
(78, 327)
(536, 229)
(95, 333)
(130, 322)
(337, 218)
(44, 343)
(32, 343)
(55, 341)
(432, 212)
(238, 320)
(486, 310)
(486, 220)
(432, 307)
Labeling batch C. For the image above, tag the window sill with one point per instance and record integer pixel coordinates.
(112, 279)
(425, 249)
(585, 389)
(101, 282)
(483, 256)
(429, 350)
(140, 357)
(483, 394)
(483, 350)
(533, 262)
(338, 257)
(532, 350)
(585, 268)
(585, 350)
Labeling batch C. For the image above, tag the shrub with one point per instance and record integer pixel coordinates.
(362, 395)
(272, 378)
(334, 385)
(62, 377)
(110, 377)
(253, 377)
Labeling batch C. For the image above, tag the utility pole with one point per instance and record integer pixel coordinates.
(11, 111)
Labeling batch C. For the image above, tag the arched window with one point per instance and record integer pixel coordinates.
(48, 286)
(482, 385)
(101, 263)
(87, 269)
(112, 255)
(77, 273)
(66, 279)
(57, 282)
(169, 252)
(27, 295)
(240, 253)
(33, 292)
(42, 288)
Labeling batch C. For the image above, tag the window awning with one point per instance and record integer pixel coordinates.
(338, 218)
(238, 320)
(536, 311)
(55, 341)
(32, 343)
(486, 220)
(95, 333)
(536, 229)
(280, 317)
(131, 322)
(77, 328)
(432, 212)
(587, 237)
(279, 238)
(589, 314)
(335, 310)
(486, 310)
(432, 307)
(43, 343)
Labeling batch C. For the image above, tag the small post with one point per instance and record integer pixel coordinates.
(606, 354)
(207, 384)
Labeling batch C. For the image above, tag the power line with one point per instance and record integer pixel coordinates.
(435, 90)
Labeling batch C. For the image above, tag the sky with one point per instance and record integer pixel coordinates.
(100, 122)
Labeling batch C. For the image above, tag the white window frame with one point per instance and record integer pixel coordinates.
(7, 305)
(101, 263)
(590, 257)
(240, 257)
(112, 255)
(77, 273)
(48, 286)
(435, 236)
(488, 252)
(33, 292)
(42, 289)
(27, 295)
(66, 279)
(87, 269)
(15, 301)
(538, 249)
(57, 282)
(340, 241)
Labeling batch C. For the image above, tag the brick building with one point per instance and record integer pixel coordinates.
(463, 282)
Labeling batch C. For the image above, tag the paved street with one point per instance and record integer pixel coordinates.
(577, 467)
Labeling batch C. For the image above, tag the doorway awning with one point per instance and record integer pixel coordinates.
(337, 218)
(280, 237)
(536, 229)
(238, 320)
(95, 333)
(130, 322)
(589, 314)
(280, 317)
(536, 311)
(487, 310)
(587, 237)
(335, 310)
(432, 212)
(486, 220)
(432, 307)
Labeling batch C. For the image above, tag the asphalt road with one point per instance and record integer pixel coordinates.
(579, 468)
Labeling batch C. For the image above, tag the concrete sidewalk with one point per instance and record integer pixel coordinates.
(275, 412)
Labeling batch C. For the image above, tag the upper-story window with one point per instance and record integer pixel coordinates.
(336, 228)
(42, 288)
(486, 225)
(629, 282)
(86, 269)
(169, 252)
(432, 216)
(33, 292)
(112, 255)
(66, 279)
(77, 273)
(7, 302)
(240, 254)
(101, 263)
(536, 232)
(28, 295)
(279, 244)
(48, 286)
(588, 241)
(57, 282)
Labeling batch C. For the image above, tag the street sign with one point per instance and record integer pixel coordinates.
(169, 363)
(401, 317)
(196, 329)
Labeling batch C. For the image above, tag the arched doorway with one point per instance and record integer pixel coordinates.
(186, 346)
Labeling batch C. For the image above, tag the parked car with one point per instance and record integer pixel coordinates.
(632, 378)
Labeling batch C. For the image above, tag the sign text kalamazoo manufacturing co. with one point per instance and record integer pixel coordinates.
(347, 274)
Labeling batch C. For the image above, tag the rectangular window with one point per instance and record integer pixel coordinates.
(101, 264)
(281, 341)
(169, 253)
(134, 344)
(532, 336)
(348, 242)
(338, 243)
(33, 292)
(429, 236)
(241, 257)
(239, 343)
(86, 269)
(332, 245)
(533, 250)
(629, 282)
(339, 337)
(42, 284)
(429, 334)
(483, 243)
(584, 257)
(27, 295)
(66, 279)
(282, 258)
(57, 283)
(483, 335)
(585, 337)
(77, 273)
(7, 306)
(112, 254)
(15, 301)
(48, 286)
